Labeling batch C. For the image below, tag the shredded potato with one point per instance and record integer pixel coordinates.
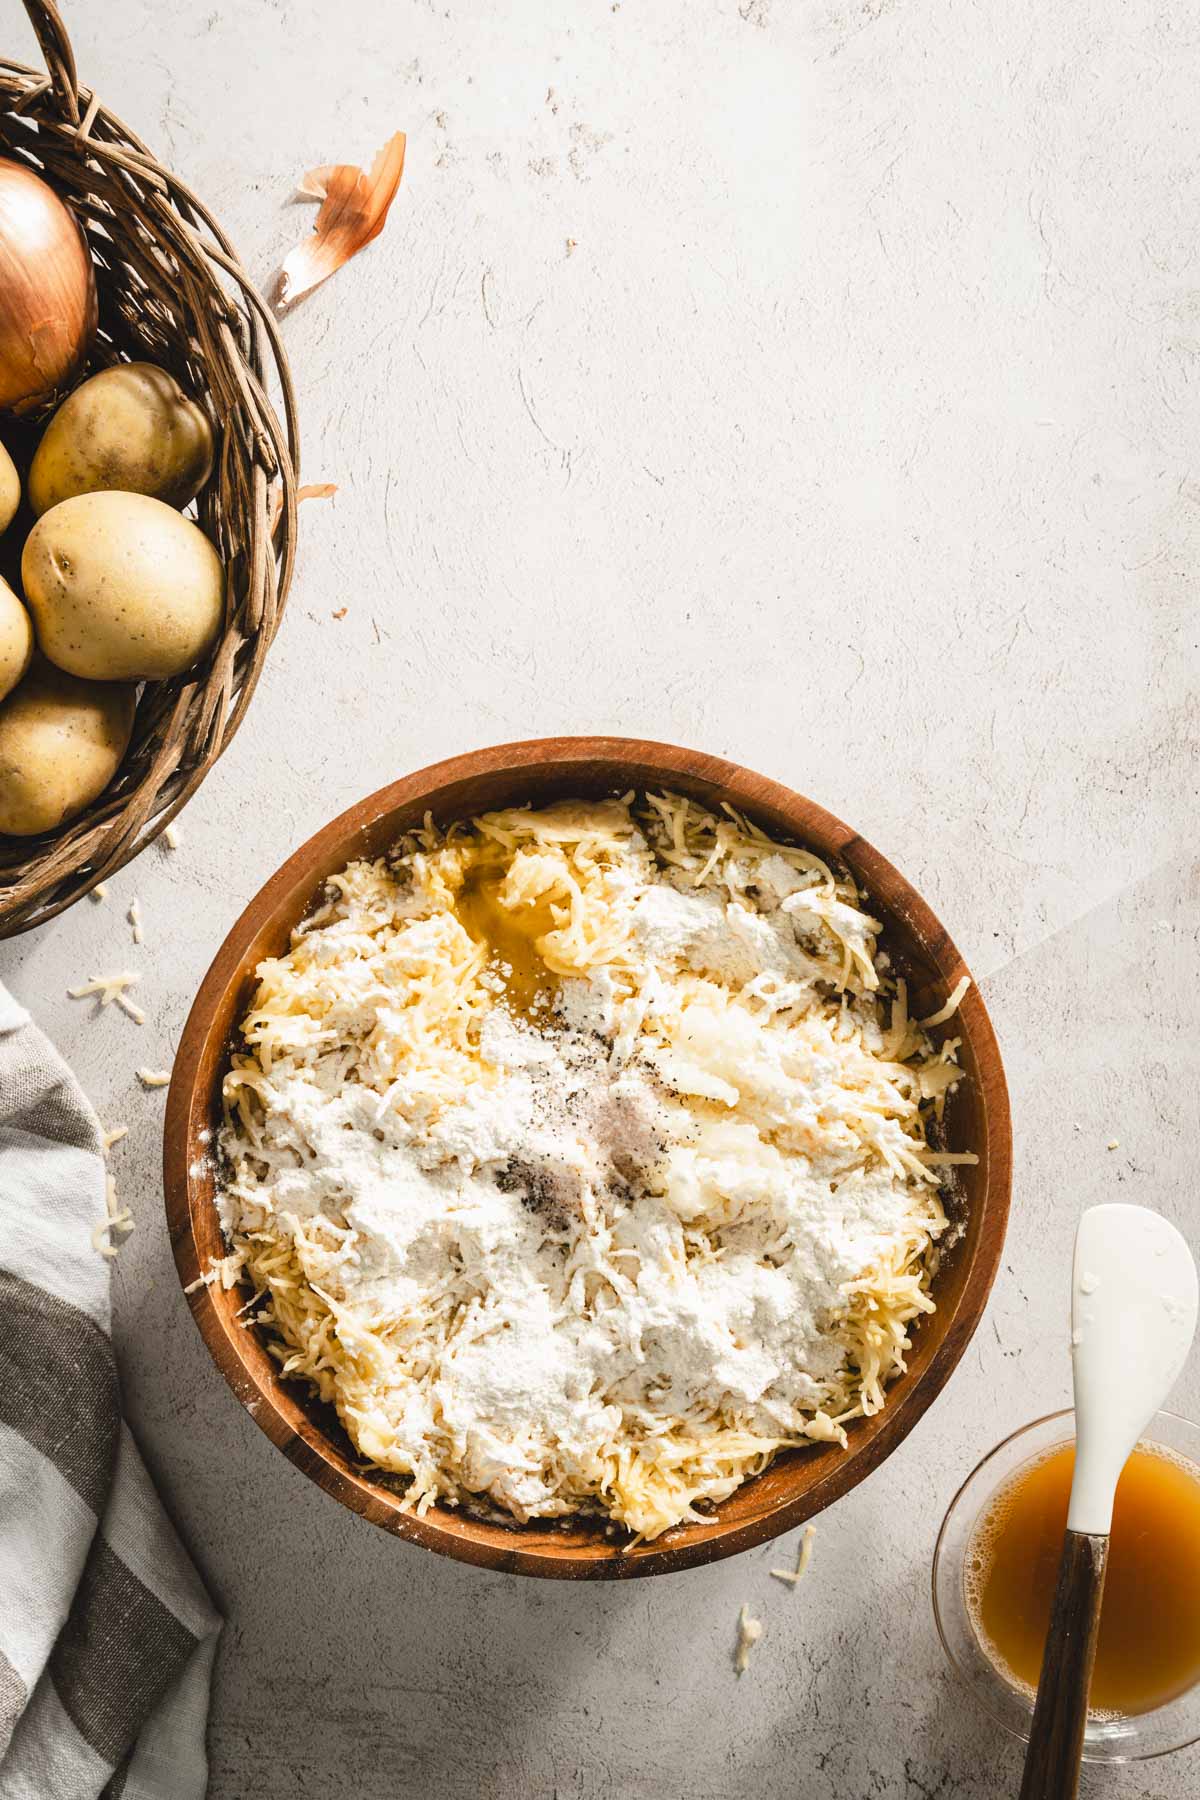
(386, 987)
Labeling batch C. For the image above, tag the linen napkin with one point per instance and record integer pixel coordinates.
(106, 1634)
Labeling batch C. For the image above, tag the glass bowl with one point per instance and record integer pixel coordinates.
(1130, 1737)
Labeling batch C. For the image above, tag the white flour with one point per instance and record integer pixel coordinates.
(644, 1211)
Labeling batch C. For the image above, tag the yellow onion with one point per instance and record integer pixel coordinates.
(47, 291)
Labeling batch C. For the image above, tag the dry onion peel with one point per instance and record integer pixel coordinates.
(315, 185)
(312, 490)
(354, 209)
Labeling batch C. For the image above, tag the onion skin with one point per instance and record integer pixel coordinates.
(47, 292)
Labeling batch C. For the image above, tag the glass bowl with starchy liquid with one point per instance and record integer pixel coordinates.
(994, 1573)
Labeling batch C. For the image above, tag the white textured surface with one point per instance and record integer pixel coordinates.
(868, 393)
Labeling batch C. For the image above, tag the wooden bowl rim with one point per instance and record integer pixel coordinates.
(456, 1534)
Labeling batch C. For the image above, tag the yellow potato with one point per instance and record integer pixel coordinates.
(121, 587)
(16, 640)
(10, 489)
(61, 743)
(130, 427)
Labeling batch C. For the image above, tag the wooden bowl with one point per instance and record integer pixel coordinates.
(800, 1482)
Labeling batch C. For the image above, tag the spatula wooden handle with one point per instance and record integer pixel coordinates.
(1060, 1715)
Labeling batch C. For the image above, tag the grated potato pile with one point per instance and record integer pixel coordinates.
(598, 1204)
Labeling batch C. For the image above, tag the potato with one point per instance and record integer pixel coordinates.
(61, 743)
(130, 427)
(121, 587)
(16, 640)
(10, 489)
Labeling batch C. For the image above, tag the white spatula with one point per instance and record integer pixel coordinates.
(1133, 1317)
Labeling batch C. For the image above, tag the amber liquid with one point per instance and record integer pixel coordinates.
(1149, 1646)
(509, 936)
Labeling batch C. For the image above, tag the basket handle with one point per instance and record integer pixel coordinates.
(55, 46)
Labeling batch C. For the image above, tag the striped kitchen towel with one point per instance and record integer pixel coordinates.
(106, 1635)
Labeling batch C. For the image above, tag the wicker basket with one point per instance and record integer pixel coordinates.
(171, 291)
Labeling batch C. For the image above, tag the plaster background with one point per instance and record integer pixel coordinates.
(855, 438)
